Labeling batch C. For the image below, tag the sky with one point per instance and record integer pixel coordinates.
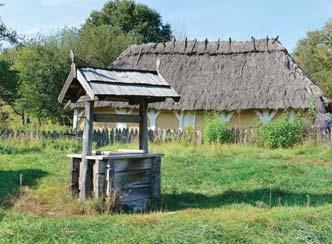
(200, 19)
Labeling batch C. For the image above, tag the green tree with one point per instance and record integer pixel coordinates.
(8, 83)
(43, 66)
(100, 45)
(131, 18)
(7, 35)
(314, 54)
(8, 76)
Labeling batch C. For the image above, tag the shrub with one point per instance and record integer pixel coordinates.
(283, 132)
(216, 130)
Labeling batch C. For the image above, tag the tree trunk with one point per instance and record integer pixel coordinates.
(23, 117)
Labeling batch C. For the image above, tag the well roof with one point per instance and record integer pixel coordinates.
(116, 85)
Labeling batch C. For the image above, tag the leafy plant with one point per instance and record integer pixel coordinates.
(283, 132)
(216, 129)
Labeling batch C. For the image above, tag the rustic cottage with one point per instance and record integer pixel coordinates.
(243, 81)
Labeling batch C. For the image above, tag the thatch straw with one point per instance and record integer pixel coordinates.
(226, 75)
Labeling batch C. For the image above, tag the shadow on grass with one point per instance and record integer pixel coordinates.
(10, 183)
(258, 197)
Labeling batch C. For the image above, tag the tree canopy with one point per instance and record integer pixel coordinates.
(43, 67)
(314, 54)
(8, 77)
(8, 83)
(6, 34)
(100, 45)
(32, 73)
(131, 18)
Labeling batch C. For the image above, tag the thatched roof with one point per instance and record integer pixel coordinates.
(226, 75)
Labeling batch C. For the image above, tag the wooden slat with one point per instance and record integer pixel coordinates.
(123, 118)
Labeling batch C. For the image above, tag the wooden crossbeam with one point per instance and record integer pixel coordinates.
(122, 118)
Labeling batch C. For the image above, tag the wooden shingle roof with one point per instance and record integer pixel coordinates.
(116, 85)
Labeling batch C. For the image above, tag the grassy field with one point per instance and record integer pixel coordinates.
(211, 194)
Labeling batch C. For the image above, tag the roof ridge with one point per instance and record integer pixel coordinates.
(119, 69)
(222, 47)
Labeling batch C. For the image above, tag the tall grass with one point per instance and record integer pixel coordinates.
(16, 145)
(211, 193)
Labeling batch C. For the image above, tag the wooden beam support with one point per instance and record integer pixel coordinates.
(84, 99)
(122, 118)
(75, 169)
(147, 100)
(85, 174)
(143, 127)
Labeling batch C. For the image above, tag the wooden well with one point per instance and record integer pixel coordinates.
(130, 179)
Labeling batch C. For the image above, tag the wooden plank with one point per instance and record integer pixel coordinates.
(122, 179)
(85, 176)
(84, 99)
(124, 156)
(70, 78)
(143, 127)
(155, 184)
(136, 193)
(99, 179)
(123, 118)
(138, 100)
(85, 84)
(132, 164)
(75, 169)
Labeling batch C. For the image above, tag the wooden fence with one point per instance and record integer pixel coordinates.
(106, 137)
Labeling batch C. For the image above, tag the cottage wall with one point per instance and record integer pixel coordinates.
(169, 119)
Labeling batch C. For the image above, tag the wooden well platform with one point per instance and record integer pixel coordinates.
(130, 179)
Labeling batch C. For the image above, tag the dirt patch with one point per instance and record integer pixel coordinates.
(27, 203)
(299, 159)
(321, 162)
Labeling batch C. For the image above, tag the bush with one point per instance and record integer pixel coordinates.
(216, 130)
(283, 132)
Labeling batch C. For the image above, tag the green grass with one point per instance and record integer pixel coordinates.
(211, 193)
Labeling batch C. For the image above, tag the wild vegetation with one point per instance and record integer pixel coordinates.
(216, 129)
(33, 70)
(211, 193)
(276, 190)
(284, 131)
(313, 53)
